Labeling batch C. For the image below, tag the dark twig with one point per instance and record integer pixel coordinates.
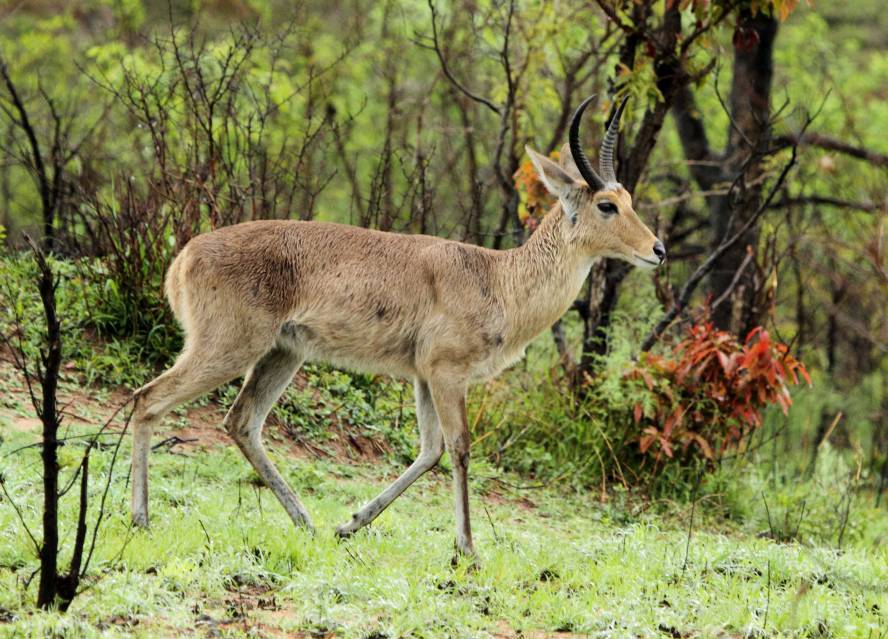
(834, 144)
(704, 268)
(170, 442)
(684, 565)
(737, 275)
(209, 545)
(446, 70)
(20, 515)
(490, 519)
(786, 202)
(768, 513)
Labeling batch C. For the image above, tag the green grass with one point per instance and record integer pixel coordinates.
(222, 557)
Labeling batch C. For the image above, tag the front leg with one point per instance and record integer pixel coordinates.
(431, 448)
(450, 405)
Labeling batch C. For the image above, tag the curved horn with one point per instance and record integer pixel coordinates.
(582, 162)
(608, 146)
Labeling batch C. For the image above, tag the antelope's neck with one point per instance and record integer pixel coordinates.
(542, 278)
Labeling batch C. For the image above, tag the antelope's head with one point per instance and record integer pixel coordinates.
(598, 206)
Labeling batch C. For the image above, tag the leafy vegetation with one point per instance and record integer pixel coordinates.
(713, 392)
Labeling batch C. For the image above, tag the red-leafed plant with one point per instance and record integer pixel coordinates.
(535, 199)
(709, 393)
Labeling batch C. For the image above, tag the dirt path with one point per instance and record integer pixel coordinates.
(188, 429)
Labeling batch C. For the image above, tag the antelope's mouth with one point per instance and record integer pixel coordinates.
(647, 261)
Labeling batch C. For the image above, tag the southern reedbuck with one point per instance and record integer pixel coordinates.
(260, 298)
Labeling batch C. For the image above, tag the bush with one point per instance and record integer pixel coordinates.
(651, 424)
(86, 306)
(709, 393)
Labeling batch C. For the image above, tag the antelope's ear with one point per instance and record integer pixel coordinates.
(566, 160)
(554, 178)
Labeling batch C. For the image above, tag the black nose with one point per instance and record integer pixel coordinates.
(660, 250)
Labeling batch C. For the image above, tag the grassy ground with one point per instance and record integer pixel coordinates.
(222, 559)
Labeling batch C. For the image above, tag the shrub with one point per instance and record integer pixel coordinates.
(709, 392)
(651, 424)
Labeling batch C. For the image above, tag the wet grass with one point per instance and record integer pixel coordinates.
(222, 559)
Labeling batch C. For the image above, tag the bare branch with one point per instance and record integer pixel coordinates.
(704, 268)
(20, 515)
(869, 207)
(446, 70)
(834, 144)
(737, 275)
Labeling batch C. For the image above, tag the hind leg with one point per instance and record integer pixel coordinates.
(195, 373)
(264, 384)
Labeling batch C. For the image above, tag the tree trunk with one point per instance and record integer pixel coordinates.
(604, 288)
(748, 143)
(607, 276)
(52, 359)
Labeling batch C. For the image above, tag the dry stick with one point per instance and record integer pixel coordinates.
(768, 603)
(20, 515)
(490, 519)
(795, 534)
(736, 280)
(869, 207)
(691, 285)
(834, 144)
(70, 438)
(73, 577)
(93, 443)
(354, 555)
(206, 534)
(768, 513)
(848, 498)
(446, 70)
(175, 440)
(832, 427)
(684, 566)
(101, 513)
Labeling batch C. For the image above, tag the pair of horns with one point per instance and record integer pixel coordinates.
(605, 155)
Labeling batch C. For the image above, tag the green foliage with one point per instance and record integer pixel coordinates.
(825, 504)
(325, 405)
(531, 422)
(130, 314)
(89, 347)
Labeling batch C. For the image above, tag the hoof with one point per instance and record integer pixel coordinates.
(301, 519)
(347, 530)
(140, 520)
(471, 562)
(465, 556)
(306, 525)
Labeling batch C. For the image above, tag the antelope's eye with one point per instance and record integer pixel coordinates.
(608, 208)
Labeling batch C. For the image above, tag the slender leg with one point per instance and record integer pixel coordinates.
(450, 405)
(190, 377)
(430, 451)
(264, 384)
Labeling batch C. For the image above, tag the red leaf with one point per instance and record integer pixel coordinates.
(724, 361)
(648, 380)
(804, 372)
(705, 448)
